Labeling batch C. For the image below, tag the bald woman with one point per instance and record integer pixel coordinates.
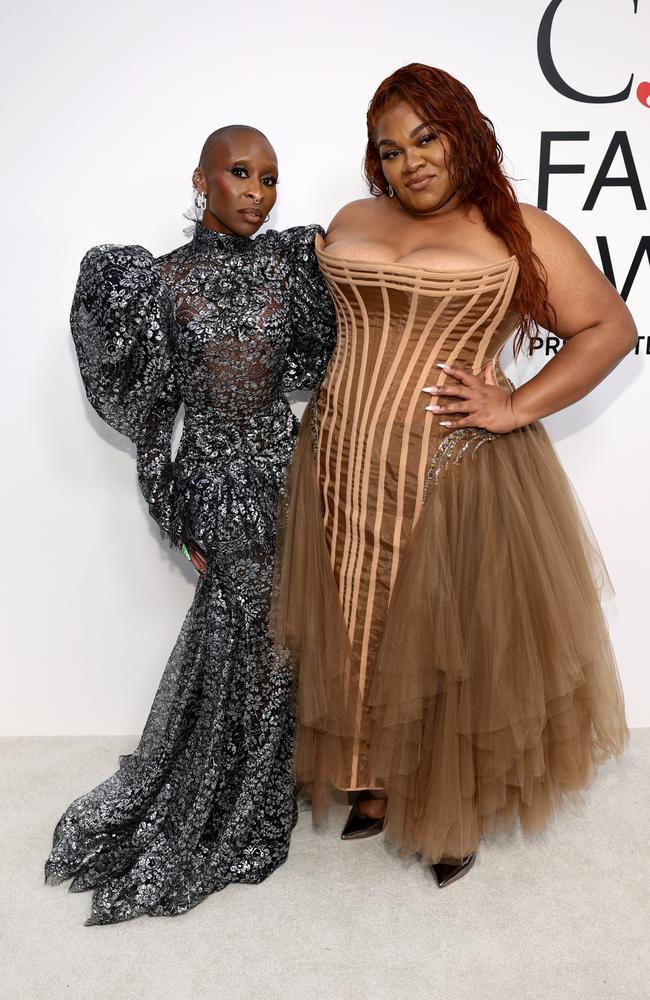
(225, 325)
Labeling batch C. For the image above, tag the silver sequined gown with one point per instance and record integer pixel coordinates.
(225, 325)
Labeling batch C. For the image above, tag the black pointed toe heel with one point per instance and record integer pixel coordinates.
(446, 872)
(358, 825)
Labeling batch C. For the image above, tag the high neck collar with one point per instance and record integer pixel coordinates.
(222, 241)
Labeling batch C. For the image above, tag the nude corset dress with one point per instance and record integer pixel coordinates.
(439, 589)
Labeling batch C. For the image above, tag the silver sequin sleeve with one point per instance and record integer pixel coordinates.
(122, 324)
(312, 319)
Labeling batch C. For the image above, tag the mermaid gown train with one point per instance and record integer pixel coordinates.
(450, 644)
(225, 325)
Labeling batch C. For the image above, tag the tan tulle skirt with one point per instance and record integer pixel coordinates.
(495, 693)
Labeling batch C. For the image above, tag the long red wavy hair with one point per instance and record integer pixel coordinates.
(447, 106)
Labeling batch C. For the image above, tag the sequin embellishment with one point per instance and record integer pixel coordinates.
(452, 449)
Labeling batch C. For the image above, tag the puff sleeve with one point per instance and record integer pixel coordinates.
(122, 320)
(312, 318)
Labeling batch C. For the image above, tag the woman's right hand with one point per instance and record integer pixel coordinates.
(198, 557)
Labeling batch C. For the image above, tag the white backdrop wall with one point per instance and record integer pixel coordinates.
(106, 107)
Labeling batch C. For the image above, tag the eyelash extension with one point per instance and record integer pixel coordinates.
(235, 171)
(429, 137)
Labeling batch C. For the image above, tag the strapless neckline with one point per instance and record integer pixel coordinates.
(397, 266)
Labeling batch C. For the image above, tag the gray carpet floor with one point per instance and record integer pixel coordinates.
(562, 917)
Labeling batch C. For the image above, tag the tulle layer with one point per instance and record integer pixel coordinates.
(495, 693)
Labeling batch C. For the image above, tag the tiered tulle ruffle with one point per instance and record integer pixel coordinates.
(495, 694)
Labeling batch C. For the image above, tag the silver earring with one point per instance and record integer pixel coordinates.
(390, 191)
(194, 214)
(200, 201)
(266, 219)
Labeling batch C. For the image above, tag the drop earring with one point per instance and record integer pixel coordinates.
(390, 191)
(200, 202)
(194, 214)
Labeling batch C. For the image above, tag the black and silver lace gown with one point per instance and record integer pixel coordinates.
(225, 325)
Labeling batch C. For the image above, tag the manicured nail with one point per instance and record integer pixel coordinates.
(445, 423)
(434, 409)
(431, 389)
(441, 364)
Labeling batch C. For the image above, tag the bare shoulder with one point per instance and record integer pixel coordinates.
(353, 214)
(548, 235)
(540, 224)
(578, 291)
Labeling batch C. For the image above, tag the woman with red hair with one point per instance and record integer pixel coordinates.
(455, 669)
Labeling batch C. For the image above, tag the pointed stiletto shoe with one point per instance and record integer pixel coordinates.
(358, 825)
(446, 872)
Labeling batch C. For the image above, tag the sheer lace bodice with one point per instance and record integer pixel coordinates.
(225, 325)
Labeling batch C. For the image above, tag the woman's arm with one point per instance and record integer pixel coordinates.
(122, 322)
(591, 318)
(312, 323)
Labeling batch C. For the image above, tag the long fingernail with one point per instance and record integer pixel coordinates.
(434, 409)
(431, 390)
(445, 423)
(441, 364)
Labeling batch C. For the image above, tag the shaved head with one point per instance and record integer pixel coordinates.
(227, 131)
(238, 174)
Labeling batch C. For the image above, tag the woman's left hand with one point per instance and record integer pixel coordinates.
(482, 402)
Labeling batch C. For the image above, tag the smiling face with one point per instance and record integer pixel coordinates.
(238, 175)
(415, 161)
